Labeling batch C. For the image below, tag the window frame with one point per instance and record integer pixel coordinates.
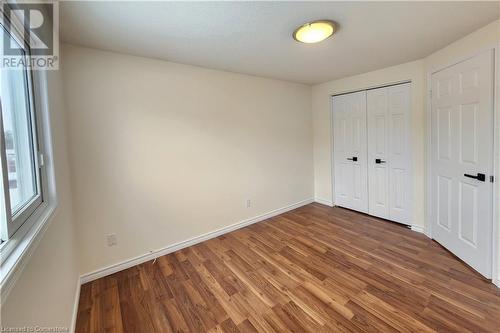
(16, 220)
(13, 222)
(15, 252)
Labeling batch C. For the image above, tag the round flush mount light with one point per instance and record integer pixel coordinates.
(314, 32)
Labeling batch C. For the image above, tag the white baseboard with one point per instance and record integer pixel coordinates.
(496, 282)
(186, 243)
(75, 306)
(324, 202)
(418, 228)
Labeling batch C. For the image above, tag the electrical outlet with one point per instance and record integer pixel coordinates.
(112, 241)
(249, 203)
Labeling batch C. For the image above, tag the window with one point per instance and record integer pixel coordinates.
(27, 185)
(20, 148)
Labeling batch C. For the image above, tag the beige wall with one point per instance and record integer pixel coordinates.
(163, 152)
(44, 294)
(321, 107)
(478, 41)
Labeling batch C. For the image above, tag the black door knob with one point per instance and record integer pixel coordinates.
(379, 161)
(480, 176)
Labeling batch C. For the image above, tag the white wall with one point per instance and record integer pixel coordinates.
(163, 152)
(44, 294)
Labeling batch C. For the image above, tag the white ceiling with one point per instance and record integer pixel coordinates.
(256, 37)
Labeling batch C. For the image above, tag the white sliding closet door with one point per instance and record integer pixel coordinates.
(388, 111)
(349, 118)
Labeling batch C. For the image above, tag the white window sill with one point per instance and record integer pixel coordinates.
(15, 253)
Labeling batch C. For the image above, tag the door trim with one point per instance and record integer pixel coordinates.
(384, 85)
(495, 269)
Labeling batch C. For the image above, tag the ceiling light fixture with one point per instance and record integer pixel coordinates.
(314, 32)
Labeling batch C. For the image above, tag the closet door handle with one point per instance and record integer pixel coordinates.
(354, 159)
(379, 161)
(480, 176)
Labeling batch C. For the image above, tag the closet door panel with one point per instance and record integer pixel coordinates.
(341, 143)
(389, 190)
(399, 152)
(359, 151)
(350, 176)
(378, 171)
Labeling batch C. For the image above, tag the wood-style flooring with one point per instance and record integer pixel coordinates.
(313, 269)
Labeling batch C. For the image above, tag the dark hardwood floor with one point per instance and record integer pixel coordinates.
(314, 269)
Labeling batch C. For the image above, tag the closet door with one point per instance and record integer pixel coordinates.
(378, 161)
(388, 111)
(400, 189)
(350, 162)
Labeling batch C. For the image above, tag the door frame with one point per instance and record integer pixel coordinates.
(410, 142)
(496, 155)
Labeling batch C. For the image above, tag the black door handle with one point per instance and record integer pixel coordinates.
(378, 161)
(354, 159)
(480, 176)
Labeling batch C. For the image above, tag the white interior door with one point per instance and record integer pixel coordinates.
(462, 160)
(349, 119)
(389, 154)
